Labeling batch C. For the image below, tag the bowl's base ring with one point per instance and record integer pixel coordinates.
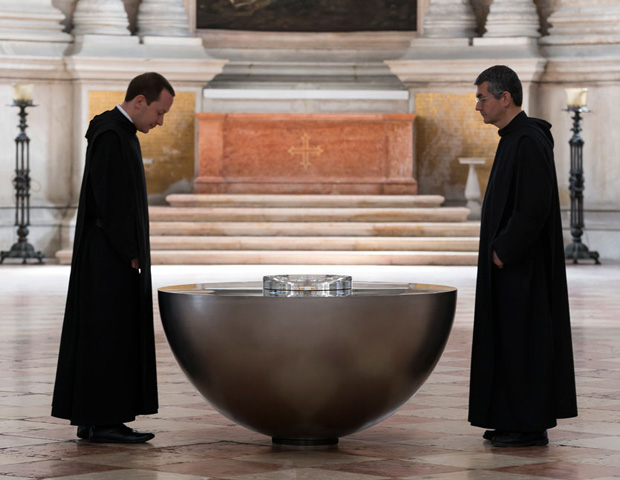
(304, 442)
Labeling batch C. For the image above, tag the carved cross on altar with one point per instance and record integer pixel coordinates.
(305, 151)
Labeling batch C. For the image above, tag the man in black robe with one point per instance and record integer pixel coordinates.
(522, 374)
(106, 365)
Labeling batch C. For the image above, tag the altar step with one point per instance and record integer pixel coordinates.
(211, 229)
(306, 214)
(317, 229)
(227, 257)
(457, 244)
(312, 229)
(315, 201)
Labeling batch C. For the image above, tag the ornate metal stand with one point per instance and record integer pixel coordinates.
(577, 250)
(22, 249)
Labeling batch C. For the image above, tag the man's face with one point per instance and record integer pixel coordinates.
(489, 107)
(148, 116)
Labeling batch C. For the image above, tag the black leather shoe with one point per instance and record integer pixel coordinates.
(117, 434)
(490, 434)
(83, 431)
(520, 439)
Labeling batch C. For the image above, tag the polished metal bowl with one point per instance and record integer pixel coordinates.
(307, 369)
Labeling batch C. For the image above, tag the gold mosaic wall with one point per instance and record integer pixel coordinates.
(168, 151)
(448, 127)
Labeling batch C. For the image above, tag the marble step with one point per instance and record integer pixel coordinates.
(298, 257)
(247, 257)
(312, 201)
(315, 243)
(314, 229)
(254, 214)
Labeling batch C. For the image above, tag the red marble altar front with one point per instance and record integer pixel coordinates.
(306, 153)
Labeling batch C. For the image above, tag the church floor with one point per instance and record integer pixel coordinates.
(428, 438)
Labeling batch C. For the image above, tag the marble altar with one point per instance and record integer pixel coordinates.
(363, 153)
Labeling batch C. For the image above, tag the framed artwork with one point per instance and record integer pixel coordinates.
(307, 15)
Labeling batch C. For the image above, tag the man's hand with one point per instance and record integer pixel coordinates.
(135, 264)
(498, 263)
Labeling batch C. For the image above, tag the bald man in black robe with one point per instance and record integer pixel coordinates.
(106, 365)
(522, 374)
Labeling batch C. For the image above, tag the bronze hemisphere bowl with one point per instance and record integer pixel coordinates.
(308, 366)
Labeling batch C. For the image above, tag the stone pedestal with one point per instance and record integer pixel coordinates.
(306, 153)
(163, 18)
(512, 18)
(472, 187)
(584, 22)
(31, 20)
(449, 18)
(583, 45)
(100, 17)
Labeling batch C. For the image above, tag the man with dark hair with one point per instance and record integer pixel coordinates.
(522, 374)
(150, 85)
(106, 365)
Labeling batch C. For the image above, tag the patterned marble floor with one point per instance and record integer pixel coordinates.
(428, 438)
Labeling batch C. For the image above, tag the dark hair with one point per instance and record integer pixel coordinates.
(148, 84)
(502, 79)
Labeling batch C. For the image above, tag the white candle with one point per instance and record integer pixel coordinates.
(576, 97)
(22, 92)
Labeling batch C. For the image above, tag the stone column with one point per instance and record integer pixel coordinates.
(31, 20)
(449, 19)
(166, 18)
(584, 22)
(100, 17)
(512, 18)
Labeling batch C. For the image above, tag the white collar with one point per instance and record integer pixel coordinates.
(124, 113)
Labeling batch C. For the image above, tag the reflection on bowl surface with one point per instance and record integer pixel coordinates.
(307, 370)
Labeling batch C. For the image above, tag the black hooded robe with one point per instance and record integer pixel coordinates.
(106, 365)
(522, 374)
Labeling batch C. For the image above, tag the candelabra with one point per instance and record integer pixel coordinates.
(577, 250)
(22, 249)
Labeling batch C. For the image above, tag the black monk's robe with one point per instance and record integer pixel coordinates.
(522, 374)
(106, 365)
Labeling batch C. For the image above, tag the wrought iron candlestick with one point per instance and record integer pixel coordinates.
(22, 249)
(577, 250)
